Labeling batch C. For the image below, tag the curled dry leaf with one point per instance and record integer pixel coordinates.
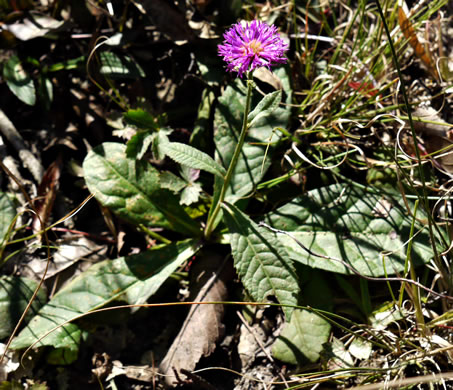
(438, 137)
(203, 325)
(266, 76)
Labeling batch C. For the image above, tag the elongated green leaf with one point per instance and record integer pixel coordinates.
(200, 137)
(265, 107)
(120, 67)
(15, 293)
(7, 214)
(132, 190)
(302, 338)
(132, 278)
(193, 158)
(362, 229)
(261, 261)
(18, 81)
(253, 162)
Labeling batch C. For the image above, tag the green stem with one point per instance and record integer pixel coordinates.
(216, 206)
(154, 235)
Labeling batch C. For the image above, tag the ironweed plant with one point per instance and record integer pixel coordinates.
(310, 169)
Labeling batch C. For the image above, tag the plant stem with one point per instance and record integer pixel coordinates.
(217, 205)
(154, 235)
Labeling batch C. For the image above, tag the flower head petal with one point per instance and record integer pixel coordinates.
(254, 45)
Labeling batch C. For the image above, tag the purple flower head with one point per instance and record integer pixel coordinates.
(250, 47)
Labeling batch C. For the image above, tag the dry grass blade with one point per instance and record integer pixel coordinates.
(407, 381)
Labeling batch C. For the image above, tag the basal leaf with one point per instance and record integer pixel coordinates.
(131, 278)
(253, 162)
(360, 228)
(193, 158)
(261, 261)
(7, 214)
(18, 80)
(166, 260)
(302, 338)
(132, 190)
(15, 293)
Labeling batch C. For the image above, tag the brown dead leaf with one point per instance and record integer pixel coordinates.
(71, 250)
(203, 325)
(47, 191)
(409, 33)
(102, 364)
(266, 76)
(143, 373)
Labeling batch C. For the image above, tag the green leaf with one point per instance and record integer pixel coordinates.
(358, 227)
(141, 119)
(45, 91)
(265, 107)
(161, 138)
(15, 293)
(172, 182)
(360, 348)
(119, 67)
(193, 158)
(132, 278)
(302, 338)
(200, 137)
(261, 261)
(337, 355)
(18, 81)
(7, 214)
(14, 385)
(67, 355)
(131, 189)
(253, 161)
(151, 276)
(191, 194)
(385, 314)
(139, 143)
